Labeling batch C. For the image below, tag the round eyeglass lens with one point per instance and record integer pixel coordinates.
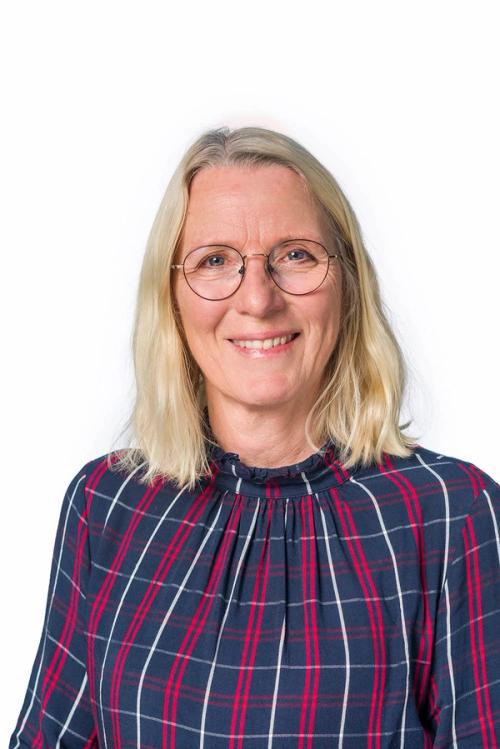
(299, 266)
(213, 272)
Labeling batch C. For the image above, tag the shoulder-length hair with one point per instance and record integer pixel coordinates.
(359, 405)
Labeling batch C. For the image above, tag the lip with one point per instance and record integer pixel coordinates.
(256, 353)
(263, 336)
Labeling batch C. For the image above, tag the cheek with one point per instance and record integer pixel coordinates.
(323, 314)
(198, 319)
(332, 304)
(324, 327)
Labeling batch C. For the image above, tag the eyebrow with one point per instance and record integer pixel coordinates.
(286, 238)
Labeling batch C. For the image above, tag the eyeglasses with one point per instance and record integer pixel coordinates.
(297, 266)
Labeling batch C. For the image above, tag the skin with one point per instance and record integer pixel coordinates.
(258, 403)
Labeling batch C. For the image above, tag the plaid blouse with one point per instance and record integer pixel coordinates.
(306, 606)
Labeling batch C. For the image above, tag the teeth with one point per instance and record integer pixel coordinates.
(266, 343)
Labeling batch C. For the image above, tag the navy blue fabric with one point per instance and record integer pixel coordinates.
(304, 606)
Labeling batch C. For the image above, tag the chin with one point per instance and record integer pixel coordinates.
(266, 396)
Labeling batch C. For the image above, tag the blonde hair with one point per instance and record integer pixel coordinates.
(359, 405)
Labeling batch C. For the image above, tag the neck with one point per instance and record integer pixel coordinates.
(264, 437)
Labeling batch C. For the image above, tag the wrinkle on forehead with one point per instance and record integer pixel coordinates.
(226, 198)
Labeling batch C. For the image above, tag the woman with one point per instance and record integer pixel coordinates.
(274, 563)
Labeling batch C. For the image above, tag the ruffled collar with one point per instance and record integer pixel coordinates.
(320, 471)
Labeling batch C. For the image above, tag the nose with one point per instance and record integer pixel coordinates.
(258, 294)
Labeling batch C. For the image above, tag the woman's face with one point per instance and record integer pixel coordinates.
(252, 209)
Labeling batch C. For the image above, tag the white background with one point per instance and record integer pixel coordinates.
(397, 99)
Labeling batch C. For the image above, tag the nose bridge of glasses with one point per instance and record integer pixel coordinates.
(265, 255)
(255, 254)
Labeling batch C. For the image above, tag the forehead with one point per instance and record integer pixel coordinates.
(239, 204)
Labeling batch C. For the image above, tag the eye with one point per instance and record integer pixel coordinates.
(297, 254)
(213, 261)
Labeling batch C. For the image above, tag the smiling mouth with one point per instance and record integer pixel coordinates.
(266, 343)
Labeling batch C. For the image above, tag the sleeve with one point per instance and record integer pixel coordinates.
(57, 711)
(466, 660)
